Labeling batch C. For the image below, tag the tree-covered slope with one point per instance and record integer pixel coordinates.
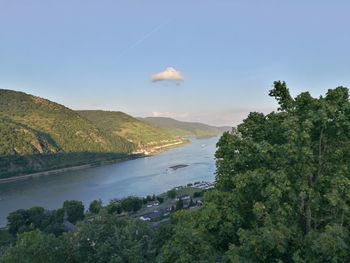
(17, 138)
(142, 134)
(31, 126)
(181, 128)
(282, 188)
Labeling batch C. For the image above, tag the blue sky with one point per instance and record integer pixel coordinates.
(102, 54)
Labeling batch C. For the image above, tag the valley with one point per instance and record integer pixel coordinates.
(38, 136)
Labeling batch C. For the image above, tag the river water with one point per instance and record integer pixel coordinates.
(138, 177)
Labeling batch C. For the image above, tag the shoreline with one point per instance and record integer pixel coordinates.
(19, 178)
(61, 170)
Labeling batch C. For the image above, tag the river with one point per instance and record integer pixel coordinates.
(138, 177)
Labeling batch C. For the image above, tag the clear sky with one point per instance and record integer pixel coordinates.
(101, 54)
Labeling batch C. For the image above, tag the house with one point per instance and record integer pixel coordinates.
(153, 203)
(199, 203)
(185, 197)
(151, 215)
(205, 185)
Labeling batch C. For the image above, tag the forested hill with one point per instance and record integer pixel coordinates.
(182, 128)
(145, 136)
(37, 134)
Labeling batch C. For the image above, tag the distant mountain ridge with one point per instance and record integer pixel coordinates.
(145, 136)
(182, 128)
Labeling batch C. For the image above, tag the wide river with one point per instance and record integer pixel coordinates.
(138, 177)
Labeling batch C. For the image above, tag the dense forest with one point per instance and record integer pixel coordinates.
(142, 134)
(282, 194)
(38, 135)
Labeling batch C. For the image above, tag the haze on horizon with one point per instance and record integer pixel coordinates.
(208, 61)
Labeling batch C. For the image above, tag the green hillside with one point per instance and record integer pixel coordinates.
(37, 134)
(181, 128)
(115, 123)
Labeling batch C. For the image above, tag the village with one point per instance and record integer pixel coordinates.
(157, 209)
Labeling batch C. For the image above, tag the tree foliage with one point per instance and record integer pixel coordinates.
(74, 210)
(131, 204)
(283, 187)
(103, 238)
(95, 206)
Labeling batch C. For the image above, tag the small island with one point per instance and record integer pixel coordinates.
(178, 166)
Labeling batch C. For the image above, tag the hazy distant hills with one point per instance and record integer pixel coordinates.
(181, 128)
(145, 136)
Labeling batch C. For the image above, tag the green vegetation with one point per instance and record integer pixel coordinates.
(283, 188)
(95, 206)
(103, 235)
(185, 129)
(116, 123)
(108, 233)
(282, 195)
(101, 238)
(33, 130)
(62, 128)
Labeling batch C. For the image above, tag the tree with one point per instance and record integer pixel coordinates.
(171, 194)
(197, 194)
(101, 238)
(179, 204)
(114, 207)
(38, 218)
(184, 244)
(17, 221)
(109, 239)
(283, 186)
(95, 206)
(6, 239)
(74, 210)
(131, 204)
(160, 199)
(36, 247)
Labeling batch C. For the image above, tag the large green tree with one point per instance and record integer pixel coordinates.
(74, 210)
(36, 247)
(102, 238)
(283, 188)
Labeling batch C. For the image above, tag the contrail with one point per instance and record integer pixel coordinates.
(144, 37)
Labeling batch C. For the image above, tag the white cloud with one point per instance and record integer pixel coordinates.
(168, 74)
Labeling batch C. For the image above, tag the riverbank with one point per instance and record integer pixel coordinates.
(138, 177)
(158, 150)
(62, 170)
